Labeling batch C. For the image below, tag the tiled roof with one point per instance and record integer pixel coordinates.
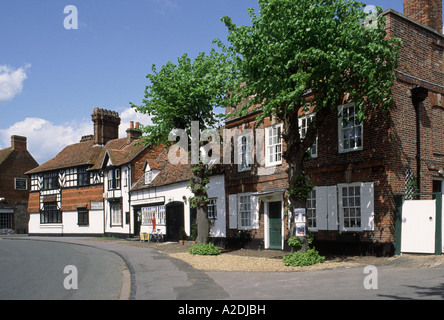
(82, 153)
(4, 154)
(121, 151)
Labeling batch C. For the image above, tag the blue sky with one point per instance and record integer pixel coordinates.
(52, 78)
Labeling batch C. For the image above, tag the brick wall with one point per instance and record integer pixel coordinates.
(71, 198)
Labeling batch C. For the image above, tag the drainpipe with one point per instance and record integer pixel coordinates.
(418, 96)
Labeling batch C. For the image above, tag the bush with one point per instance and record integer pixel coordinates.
(204, 249)
(302, 259)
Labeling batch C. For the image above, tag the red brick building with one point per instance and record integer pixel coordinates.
(15, 186)
(357, 168)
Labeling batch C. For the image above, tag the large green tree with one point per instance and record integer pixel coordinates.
(181, 100)
(325, 49)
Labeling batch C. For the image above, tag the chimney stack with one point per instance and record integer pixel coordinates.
(427, 12)
(133, 133)
(106, 125)
(18, 143)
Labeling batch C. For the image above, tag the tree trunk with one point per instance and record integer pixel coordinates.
(199, 187)
(203, 225)
(298, 186)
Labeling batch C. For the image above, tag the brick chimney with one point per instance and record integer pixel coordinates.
(428, 12)
(133, 133)
(106, 125)
(18, 143)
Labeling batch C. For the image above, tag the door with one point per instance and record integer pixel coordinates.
(275, 224)
(137, 217)
(418, 226)
(174, 220)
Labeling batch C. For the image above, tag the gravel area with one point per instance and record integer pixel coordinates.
(254, 260)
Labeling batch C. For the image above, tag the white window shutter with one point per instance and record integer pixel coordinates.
(232, 208)
(332, 210)
(254, 212)
(367, 206)
(321, 208)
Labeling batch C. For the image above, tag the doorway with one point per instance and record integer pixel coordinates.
(275, 224)
(174, 220)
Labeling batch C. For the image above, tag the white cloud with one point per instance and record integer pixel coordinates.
(11, 81)
(128, 115)
(47, 139)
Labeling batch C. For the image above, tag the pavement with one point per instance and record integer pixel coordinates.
(152, 275)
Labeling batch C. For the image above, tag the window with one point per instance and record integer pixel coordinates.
(113, 179)
(148, 177)
(82, 176)
(311, 210)
(50, 213)
(20, 184)
(5, 220)
(244, 152)
(150, 213)
(50, 181)
(244, 211)
(83, 216)
(350, 129)
(304, 123)
(116, 214)
(273, 141)
(351, 205)
(212, 209)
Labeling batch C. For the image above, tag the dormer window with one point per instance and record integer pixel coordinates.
(150, 174)
(148, 177)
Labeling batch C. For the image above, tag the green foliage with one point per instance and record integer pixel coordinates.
(193, 235)
(295, 47)
(302, 259)
(301, 188)
(296, 241)
(204, 249)
(190, 90)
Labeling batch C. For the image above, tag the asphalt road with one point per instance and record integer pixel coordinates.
(33, 270)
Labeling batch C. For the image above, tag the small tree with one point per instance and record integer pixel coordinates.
(303, 53)
(178, 96)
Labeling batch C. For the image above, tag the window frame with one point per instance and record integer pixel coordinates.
(277, 152)
(245, 156)
(50, 214)
(83, 178)
(311, 212)
(51, 181)
(114, 179)
(212, 213)
(83, 216)
(308, 118)
(241, 212)
(20, 179)
(354, 126)
(115, 214)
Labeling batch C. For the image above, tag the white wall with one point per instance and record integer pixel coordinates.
(177, 192)
(69, 224)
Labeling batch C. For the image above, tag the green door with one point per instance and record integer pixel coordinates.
(275, 224)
